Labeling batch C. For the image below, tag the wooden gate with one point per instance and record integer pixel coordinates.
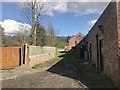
(10, 57)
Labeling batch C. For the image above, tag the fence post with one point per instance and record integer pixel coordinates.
(25, 53)
(21, 55)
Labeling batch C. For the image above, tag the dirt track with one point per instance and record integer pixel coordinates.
(58, 74)
(66, 71)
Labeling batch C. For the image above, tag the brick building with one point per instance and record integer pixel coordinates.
(73, 41)
(102, 43)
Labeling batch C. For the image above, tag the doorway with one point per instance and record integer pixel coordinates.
(90, 48)
(101, 54)
(99, 47)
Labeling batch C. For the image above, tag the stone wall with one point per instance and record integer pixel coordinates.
(102, 43)
(39, 54)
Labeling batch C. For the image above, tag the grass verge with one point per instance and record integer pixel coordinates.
(57, 58)
(94, 77)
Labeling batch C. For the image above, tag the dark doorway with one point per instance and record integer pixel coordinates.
(24, 54)
(101, 54)
(87, 51)
(97, 43)
(90, 48)
(20, 61)
(82, 49)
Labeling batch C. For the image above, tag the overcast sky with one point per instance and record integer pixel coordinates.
(68, 18)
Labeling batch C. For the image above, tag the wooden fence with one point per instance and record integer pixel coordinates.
(10, 57)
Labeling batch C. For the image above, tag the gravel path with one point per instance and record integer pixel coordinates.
(54, 75)
(42, 80)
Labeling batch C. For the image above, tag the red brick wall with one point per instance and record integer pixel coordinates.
(108, 20)
(118, 27)
(75, 40)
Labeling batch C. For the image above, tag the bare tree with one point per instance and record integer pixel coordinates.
(22, 36)
(1, 35)
(51, 36)
(33, 9)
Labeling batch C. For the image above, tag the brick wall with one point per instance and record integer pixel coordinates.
(118, 27)
(75, 40)
(111, 44)
(102, 42)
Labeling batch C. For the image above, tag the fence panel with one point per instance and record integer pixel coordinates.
(49, 49)
(35, 50)
(39, 54)
(10, 57)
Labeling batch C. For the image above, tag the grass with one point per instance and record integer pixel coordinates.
(57, 58)
(91, 76)
(94, 77)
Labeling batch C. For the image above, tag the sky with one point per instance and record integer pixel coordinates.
(68, 18)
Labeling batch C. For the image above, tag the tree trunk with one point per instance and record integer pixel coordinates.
(33, 25)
